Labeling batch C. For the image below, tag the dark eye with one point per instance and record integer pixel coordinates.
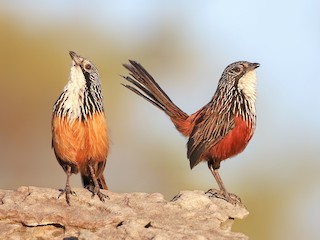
(237, 69)
(87, 66)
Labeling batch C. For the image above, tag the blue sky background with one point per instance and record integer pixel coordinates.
(185, 45)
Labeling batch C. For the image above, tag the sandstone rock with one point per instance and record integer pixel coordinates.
(36, 213)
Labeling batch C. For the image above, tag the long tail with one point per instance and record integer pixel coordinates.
(146, 87)
(88, 183)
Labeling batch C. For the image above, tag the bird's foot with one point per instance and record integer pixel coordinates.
(229, 197)
(102, 196)
(67, 191)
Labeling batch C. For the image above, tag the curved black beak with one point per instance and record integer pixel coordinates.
(75, 57)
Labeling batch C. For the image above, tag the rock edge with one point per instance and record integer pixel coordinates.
(32, 212)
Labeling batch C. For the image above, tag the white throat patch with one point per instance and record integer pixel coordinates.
(74, 96)
(247, 84)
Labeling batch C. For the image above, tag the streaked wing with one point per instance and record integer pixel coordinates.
(209, 129)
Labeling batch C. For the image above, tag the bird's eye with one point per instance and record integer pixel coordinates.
(237, 69)
(87, 66)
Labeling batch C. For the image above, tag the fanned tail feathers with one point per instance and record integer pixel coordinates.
(146, 87)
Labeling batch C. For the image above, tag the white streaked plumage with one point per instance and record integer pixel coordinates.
(73, 95)
(247, 84)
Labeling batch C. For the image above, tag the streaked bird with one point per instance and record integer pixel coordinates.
(79, 128)
(219, 130)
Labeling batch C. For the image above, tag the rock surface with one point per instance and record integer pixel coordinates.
(36, 213)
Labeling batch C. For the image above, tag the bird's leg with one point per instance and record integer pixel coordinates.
(96, 189)
(229, 197)
(67, 190)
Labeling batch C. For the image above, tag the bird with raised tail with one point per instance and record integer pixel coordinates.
(219, 130)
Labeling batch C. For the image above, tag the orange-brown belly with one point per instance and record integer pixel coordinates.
(233, 143)
(81, 142)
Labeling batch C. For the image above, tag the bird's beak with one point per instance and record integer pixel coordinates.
(253, 66)
(76, 58)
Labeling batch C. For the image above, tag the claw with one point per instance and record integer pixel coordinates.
(96, 188)
(102, 196)
(67, 191)
(229, 197)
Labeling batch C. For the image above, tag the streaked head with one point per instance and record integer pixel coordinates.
(82, 96)
(241, 75)
(237, 70)
(83, 70)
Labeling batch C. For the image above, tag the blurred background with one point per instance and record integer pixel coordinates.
(185, 45)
